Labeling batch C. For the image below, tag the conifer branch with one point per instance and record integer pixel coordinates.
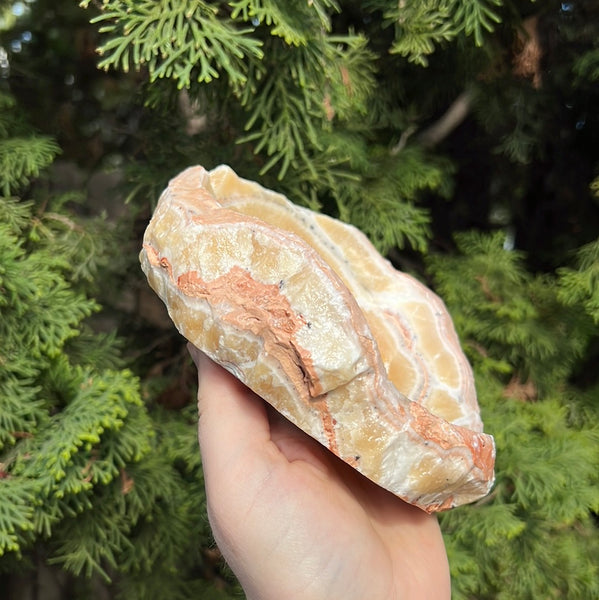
(22, 158)
(421, 26)
(185, 41)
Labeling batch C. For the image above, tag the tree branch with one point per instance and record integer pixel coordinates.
(451, 118)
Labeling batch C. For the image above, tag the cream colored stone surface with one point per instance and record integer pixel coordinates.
(305, 311)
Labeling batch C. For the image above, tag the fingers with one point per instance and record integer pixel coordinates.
(230, 413)
(233, 430)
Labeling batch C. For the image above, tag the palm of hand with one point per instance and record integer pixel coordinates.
(295, 522)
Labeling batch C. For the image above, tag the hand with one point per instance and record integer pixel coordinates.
(293, 521)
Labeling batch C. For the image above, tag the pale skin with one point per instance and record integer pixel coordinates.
(296, 523)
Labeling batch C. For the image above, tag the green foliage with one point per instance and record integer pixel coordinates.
(516, 543)
(580, 287)
(427, 25)
(292, 21)
(421, 26)
(88, 479)
(57, 420)
(524, 343)
(516, 317)
(40, 310)
(22, 155)
(329, 103)
(306, 101)
(475, 17)
(183, 41)
(373, 202)
(587, 65)
(24, 158)
(289, 109)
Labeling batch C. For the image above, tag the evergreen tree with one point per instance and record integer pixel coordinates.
(534, 536)
(458, 134)
(89, 480)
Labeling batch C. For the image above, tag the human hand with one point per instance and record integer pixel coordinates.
(293, 521)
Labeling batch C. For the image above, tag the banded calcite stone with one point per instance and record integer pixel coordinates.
(304, 310)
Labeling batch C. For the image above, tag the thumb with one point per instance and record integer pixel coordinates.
(233, 422)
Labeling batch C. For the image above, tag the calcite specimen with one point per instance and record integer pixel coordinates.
(304, 310)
